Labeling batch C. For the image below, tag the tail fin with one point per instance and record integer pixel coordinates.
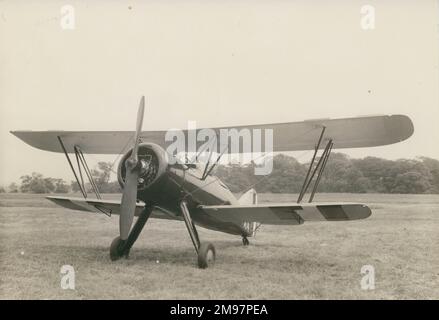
(250, 197)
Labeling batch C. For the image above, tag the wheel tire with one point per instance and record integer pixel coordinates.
(245, 241)
(206, 255)
(115, 252)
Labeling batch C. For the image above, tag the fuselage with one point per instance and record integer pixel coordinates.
(181, 182)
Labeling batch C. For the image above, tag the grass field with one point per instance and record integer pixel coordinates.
(312, 261)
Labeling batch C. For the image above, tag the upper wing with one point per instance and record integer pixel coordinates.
(356, 132)
(288, 213)
(105, 206)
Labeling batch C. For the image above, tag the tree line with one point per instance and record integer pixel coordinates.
(342, 174)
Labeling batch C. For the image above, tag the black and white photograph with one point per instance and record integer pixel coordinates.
(219, 150)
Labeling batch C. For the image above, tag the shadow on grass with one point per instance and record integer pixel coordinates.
(230, 254)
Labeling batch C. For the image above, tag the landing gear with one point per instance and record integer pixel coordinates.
(116, 249)
(121, 248)
(205, 251)
(245, 241)
(206, 255)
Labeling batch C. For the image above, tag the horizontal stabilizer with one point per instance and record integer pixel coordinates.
(288, 213)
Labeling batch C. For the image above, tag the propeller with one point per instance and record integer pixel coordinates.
(129, 195)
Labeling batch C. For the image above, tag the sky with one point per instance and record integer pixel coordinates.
(219, 63)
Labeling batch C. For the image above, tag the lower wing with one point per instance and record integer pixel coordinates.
(107, 207)
(269, 213)
(288, 213)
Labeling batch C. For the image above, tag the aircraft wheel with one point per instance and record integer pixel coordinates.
(115, 249)
(245, 241)
(206, 255)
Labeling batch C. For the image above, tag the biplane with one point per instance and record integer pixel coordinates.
(154, 187)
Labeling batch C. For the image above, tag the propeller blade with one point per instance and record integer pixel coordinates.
(139, 124)
(129, 195)
(128, 204)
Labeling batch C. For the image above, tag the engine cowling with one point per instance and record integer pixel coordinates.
(153, 162)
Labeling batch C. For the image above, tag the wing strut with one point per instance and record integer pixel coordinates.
(81, 162)
(80, 156)
(320, 166)
(303, 190)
